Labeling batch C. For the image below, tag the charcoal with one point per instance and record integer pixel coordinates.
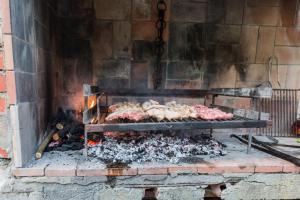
(153, 148)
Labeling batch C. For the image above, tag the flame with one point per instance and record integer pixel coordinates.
(92, 101)
(93, 143)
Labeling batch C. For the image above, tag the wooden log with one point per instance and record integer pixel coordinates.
(44, 144)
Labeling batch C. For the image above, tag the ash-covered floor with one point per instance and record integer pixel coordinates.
(235, 151)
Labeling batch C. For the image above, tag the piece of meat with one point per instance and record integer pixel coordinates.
(206, 113)
(129, 114)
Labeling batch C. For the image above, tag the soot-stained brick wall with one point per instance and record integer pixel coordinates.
(209, 43)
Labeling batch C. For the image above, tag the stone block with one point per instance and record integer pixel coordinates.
(216, 11)
(184, 84)
(184, 70)
(234, 11)
(113, 68)
(113, 83)
(186, 41)
(288, 13)
(262, 15)
(26, 87)
(120, 193)
(24, 56)
(266, 3)
(112, 10)
(28, 10)
(188, 11)
(287, 36)
(5, 141)
(17, 18)
(253, 75)
(183, 192)
(24, 126)
(224, 76)
(142, 50)
(287, 55)
(122, 39)
(292, 74)
(224, 33)
(78, 27)
(42, 36)
(142, 9)
(74, 8)
(102, 40)
(248, 43)
(265, 44)
(139, 75)
(144, 30)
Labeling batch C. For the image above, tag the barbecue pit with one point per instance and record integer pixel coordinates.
(100, 112)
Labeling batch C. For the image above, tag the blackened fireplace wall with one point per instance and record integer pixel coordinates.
(58, 45)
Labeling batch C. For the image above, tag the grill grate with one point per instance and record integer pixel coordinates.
(283, 108)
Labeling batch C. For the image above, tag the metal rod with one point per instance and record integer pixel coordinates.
(249, 141)
(85, 144)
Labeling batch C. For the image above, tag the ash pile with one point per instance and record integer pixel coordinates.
(143, 147)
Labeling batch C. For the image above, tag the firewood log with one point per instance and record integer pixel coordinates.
(44, 144)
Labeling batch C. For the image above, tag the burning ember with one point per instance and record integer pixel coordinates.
(154, 147)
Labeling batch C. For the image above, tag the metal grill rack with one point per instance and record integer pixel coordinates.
(100, 111)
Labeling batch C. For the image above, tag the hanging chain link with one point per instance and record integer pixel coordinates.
(159, 43)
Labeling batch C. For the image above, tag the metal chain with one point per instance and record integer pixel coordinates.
(159, 43)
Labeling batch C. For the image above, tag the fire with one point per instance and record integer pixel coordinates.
(93, 143)
(92, 101)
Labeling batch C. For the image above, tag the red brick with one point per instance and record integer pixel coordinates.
(153, 170)
(4, 7)
(228, 166)
(121, 171)
(3, 152)
(183, 169)
(11, 87)
(28, 172)
(2, 104)
(1, 60)
(268, 165)
(60, 170)
(2, 83)
(91, 172)
(8, 52)
(101, 171)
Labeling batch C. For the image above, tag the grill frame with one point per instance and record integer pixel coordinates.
(101, 112)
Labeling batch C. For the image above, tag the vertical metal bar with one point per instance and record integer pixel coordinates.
(285, 130)
(290, 112)
(280, 114)
(249, 141)
(294, 102)
(85, 144)
(275, 116)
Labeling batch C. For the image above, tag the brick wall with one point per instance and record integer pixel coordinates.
(28, 74)
(216, 43)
